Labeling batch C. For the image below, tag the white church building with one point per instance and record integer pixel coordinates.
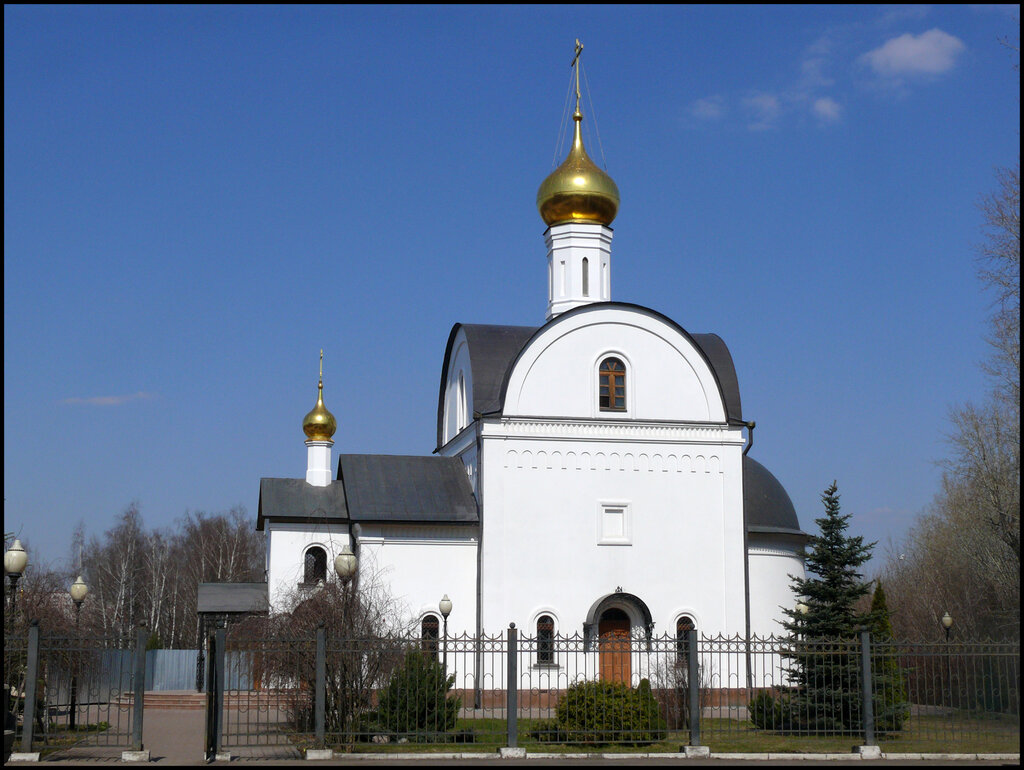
(589, 474)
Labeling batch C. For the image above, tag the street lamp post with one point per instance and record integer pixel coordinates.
(346, 565)
(445, 606)
(947, 623)
(78, 592)
(15, 561)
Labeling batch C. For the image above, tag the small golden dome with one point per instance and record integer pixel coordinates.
(578, 191)
(319, 424)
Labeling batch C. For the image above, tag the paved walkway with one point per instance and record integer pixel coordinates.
(175, 737)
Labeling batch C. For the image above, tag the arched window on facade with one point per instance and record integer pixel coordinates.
(545, 640)
(684, 626)
(586, 277)
(612, 385)
(429, 633)
(314, 567)
(461, 406)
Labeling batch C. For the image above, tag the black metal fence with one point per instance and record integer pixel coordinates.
(325, 690)
(654, 693)
(67, 691)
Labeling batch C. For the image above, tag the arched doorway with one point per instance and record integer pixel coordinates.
(613, 629)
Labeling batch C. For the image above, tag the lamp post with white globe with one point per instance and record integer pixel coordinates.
(15, 562)
(445, 606)
(947, 623)
(346, 565)
(79, 590)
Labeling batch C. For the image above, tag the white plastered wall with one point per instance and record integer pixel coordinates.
(772, 561)
(554, 462)
(286, 547)
(667, 378)
(420, 564)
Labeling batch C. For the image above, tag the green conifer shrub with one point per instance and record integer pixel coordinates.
(416, 701)
(609, 712)
(889, 702)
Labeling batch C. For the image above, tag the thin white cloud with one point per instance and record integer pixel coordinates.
(827, 109)
(109, 400)
(930, 53)
(812, 74)
(711, 108)
(766, 109)
(902, 14)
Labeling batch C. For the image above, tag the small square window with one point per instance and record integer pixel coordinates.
(614, 525)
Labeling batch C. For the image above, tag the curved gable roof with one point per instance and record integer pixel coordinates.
(491, 349)
(720, 358)
(494, 350)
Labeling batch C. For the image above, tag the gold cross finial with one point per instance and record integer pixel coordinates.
(575, 65)
(321, 364)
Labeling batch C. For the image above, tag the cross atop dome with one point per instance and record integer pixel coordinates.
(578, 191)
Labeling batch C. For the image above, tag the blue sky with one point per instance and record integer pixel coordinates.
(198, 199)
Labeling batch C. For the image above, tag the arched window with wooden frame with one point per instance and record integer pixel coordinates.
(545, 641)
(612, 385)
(314, 566)
(430, 631)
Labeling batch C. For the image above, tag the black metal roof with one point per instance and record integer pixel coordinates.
(766, 503)
(232, 597)
(720, 358)
(408, 489)
(298, 500)
(494, 349)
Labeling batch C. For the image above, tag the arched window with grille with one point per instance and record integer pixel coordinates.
(545, 640)
(429, 633)
(612, 385)
(314, 569)
(684, 627)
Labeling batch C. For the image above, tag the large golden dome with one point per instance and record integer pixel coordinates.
(578, 191)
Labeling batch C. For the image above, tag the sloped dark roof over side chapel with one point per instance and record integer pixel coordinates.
(297, 500)
(375, 488)
(407, 489)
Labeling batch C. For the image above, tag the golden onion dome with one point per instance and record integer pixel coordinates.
(578, 191)
(319, 424)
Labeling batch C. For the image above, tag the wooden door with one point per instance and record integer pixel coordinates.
(614, 646)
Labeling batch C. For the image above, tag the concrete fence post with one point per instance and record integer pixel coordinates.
(693, 682)
(139, 685)
(320, 704)
(220, 654)
(31, 682)
(512, 688)
(867, 707)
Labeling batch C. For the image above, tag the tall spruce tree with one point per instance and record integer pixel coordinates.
(823, 665)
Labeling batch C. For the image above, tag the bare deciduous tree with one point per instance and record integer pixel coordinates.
(963, 555)
(135, 575)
